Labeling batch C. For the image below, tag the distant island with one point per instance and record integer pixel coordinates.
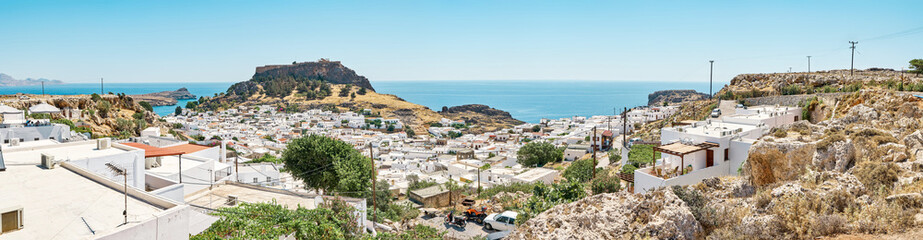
(165, 98)
(9, 81)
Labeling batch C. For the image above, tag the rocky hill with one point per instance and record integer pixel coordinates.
(331, 86)
(773, 84)
(110, 115)
(856, 173)
(165, 98)
(674, 96)
(9, 81)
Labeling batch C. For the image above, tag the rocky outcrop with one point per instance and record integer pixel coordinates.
(165, 98)
(329, 71)
(771, 84)
(674, 96)
(110, 115)
(481, 115)
(656, 215)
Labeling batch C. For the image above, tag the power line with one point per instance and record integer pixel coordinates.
(903, 33)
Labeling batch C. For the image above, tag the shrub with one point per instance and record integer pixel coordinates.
(64, 121)
(147, 106)
(580, 170)
(779, 133)
(629, 169)
(538, 154)
(877, 176)
(642, 153)
(95, 97)
(605, 183)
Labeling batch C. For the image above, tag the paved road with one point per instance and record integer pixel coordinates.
(727, 107)
(470, 231)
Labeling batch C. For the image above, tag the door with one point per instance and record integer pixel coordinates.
(709, 158)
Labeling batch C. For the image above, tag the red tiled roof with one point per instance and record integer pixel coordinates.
(151, 151)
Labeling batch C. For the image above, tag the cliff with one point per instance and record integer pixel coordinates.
(325, 70)
(165, 98)
(674, 96)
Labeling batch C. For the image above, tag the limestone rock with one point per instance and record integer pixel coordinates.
(658, 215)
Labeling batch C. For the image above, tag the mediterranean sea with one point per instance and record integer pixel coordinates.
(528, 101)
(531, 101)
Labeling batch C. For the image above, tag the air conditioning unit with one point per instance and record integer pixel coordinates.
(103, 143)
(47, 161)
(14, 142)
(232, 200)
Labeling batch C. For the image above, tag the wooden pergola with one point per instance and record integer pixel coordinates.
(681, 150)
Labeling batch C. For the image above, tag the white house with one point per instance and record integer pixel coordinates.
(709, 148)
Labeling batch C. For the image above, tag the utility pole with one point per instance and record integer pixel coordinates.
(43, 88)
(594, 151)
(100, 86)
(374, 176)
(236, 167)
(809, 63)
(625, 128)
(124, 173)
(852, 57)
(711, 69)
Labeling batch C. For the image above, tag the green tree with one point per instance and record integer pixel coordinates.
(916, 65)
(410, 132)
(580, 170)
(178, 111)
(538, 154)
(361, 91)
(328, 164)
(536, 128)
(191, 104)
(95, 97)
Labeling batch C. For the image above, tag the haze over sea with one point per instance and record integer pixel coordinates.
(528, 101)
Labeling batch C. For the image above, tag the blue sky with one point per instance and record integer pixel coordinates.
(222, 41)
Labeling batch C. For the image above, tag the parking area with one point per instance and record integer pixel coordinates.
(471, 230)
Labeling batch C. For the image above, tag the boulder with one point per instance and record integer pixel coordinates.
(837, 156)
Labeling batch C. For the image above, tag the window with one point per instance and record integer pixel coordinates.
(256, 180)
(726, 155)
(36, 139)
(502, 219)
(10, 221)
(268, 179)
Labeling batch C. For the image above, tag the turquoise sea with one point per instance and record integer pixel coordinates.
(529, 101)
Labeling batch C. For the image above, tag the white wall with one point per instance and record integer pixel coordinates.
(133, 161)
(167, 225)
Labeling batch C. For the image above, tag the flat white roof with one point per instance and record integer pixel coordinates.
(715, 128)
(56, 202)
(535, 174)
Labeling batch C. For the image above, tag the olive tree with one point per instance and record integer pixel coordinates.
(324, 163)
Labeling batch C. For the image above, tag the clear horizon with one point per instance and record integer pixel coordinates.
(219, 41)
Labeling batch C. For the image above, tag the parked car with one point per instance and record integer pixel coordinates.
(502, 221)
(716, 113)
